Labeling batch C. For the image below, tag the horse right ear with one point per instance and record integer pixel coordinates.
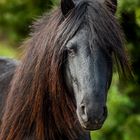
(66, 6)
(112, 5)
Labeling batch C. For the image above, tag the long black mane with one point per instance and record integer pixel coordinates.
(38, 105)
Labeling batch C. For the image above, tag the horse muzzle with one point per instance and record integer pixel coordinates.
(90, 118)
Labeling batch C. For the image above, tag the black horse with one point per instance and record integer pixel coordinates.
(59, 90)
(7, 68)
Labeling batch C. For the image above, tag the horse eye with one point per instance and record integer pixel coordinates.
(110, 51)
(71, 51)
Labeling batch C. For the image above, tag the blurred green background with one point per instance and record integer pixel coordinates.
(123, 120)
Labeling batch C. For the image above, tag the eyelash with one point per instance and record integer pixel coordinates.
(71, 51)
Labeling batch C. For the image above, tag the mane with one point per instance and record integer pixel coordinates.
(38, 105)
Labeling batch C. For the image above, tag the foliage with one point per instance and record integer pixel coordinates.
(7, 51)
(123, 120)
(124, 113)
(17, 15)
(121, 123)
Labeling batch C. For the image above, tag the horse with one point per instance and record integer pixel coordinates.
(58, 90)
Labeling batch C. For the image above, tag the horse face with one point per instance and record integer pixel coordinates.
(88, 76)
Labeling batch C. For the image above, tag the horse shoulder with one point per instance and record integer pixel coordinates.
(7, 67)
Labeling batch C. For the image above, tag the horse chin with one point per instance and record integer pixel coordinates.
(91, 127)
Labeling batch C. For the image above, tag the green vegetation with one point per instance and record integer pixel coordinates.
(123, 121)
(7, 51)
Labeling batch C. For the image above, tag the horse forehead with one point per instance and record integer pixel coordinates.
(81, 38)
(101, 1)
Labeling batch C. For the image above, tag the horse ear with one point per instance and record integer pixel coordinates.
(66, 6)
(112, 5)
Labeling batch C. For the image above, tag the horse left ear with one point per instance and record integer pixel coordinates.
(112, 5)
(66, 6)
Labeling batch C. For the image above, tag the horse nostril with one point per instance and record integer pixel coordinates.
(84, 115)
(104, 111)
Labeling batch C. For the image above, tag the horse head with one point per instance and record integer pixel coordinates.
(89, 65)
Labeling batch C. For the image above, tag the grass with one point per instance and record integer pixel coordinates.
(7, 51)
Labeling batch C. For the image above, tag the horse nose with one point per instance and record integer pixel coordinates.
(83, 113)
(96, 117)
(104, 111)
